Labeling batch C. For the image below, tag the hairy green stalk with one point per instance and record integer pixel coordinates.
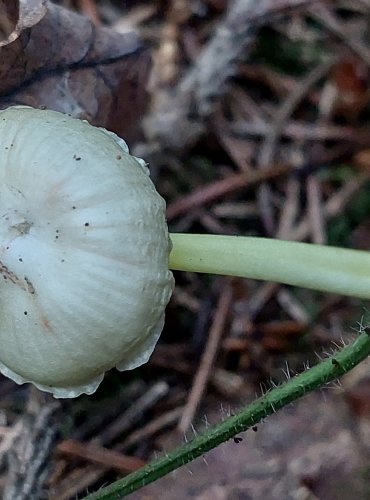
(324, 268)
(326, 371)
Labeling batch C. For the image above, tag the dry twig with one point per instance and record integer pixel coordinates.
(82, 478)
(29, 457)
(98, 455)
(209, 354)
(315, 213)
(268, 148)
(178, 117)
(218, 189)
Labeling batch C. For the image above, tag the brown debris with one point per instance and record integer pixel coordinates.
(221, 188)
(170, 123)
(100, 456)
(32, 441)
(88, 7)
(208, 357)
(57, 59)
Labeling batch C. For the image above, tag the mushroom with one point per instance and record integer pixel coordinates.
(84, 253)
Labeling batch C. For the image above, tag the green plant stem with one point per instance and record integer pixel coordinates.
(326, 371)
(324, 268)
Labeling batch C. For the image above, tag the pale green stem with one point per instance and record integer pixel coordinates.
(324, 268)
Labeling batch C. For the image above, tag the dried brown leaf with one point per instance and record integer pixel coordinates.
(17, 16)
(58, 59)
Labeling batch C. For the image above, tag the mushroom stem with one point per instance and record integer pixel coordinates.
(318, 267)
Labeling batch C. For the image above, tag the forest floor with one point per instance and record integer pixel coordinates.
(254, 119)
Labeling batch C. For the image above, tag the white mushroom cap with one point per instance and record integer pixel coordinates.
(83, 253)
